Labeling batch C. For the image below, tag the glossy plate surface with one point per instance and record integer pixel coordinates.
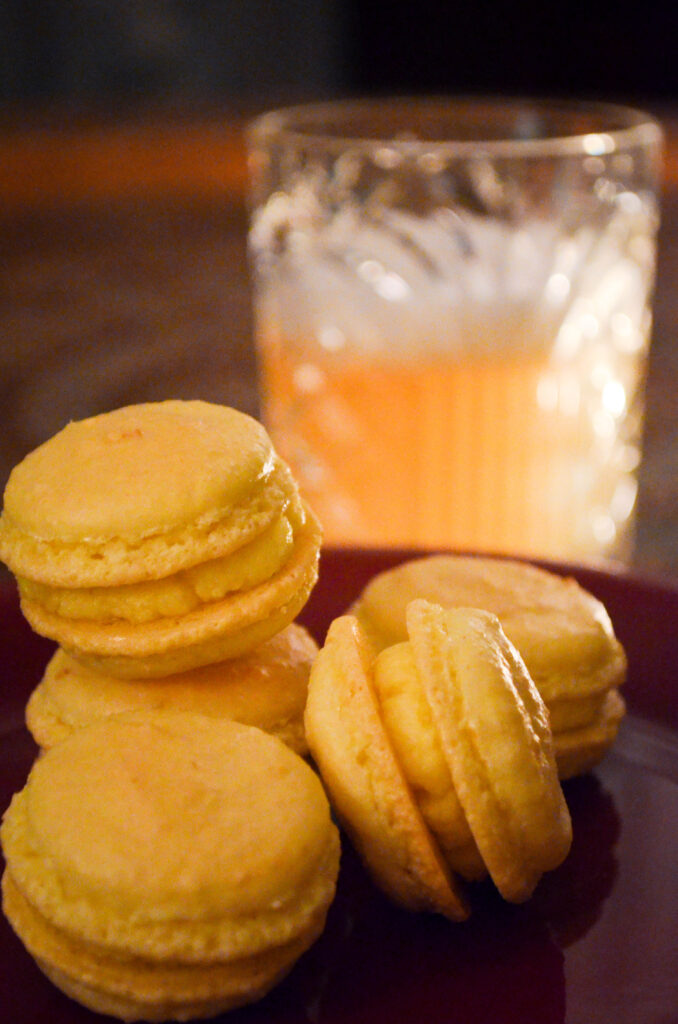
(596, 944)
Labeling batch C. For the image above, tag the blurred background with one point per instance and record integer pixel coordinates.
(189, 48)
(103, 48)
(122, 180)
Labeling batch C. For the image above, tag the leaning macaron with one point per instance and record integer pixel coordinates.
(438, 757)
(266, 687)
(494, 732)
(563, 633)
(158, 537)
(366, 782)
(168, 866)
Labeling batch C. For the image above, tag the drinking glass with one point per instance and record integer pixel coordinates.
(452, 304)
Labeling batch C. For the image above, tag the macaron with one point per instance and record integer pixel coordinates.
(266, 688)
(158, 537)
(438, 757)
(581, 748)
(563, 633)
(168, 865)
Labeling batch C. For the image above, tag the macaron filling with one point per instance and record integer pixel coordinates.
(179, 594)
(411, 730)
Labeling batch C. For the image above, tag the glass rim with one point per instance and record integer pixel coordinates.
(618, 126)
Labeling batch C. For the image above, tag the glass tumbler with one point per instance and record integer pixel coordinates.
(452, 303)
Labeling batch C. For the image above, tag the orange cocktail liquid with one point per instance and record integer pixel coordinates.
(487, 452)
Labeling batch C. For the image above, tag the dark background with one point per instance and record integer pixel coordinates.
(131, 49)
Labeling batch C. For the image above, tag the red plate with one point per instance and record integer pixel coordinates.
(595, 945)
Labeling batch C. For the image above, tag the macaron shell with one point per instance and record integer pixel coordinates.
(266, 687)
(107, 476)
(563, 633)
(578, 750)
(192, 505)
(167, 865)
(173, 837)
(494, 731)
(216, 631)
(348, 741)
(576, 712)
(132, 988)
(116, 562)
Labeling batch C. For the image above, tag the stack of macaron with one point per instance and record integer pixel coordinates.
(167, 551)
(171, 855)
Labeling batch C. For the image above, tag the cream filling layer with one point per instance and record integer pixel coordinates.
(409, 723)
(174, 595)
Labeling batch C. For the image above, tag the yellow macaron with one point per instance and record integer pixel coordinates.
(158, 537)
(266, 688)
(438, 757)
(168, 866)
(563, 633)
(581, 748)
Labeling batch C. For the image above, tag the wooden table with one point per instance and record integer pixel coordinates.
(123, 278)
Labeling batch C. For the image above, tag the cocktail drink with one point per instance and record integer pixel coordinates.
(452, 307)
